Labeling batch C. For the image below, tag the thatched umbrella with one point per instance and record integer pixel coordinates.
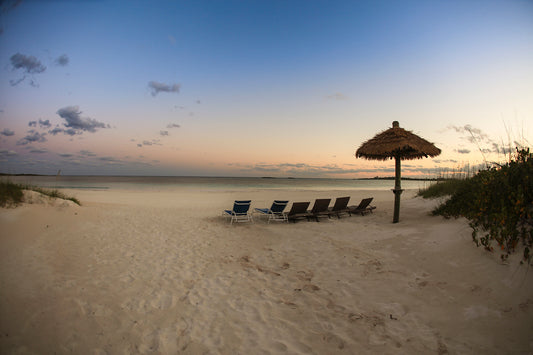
(399, 144)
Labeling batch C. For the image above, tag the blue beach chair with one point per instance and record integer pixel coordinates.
(275, 212)
(239, 213)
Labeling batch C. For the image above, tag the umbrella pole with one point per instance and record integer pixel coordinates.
(397, 190)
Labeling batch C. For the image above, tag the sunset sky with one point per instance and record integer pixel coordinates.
(259, 88)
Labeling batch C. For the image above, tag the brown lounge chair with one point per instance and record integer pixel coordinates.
(320, 208)
(364, 207)
(340, 207)
(297, 211)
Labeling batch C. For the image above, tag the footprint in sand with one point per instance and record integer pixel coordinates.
(353, 317)
(372, 266)
(289, 303)
(162, 301)
(311, 288)
(331, 338)
(525, 305)
(442, 349)
(336, 307)
(149, 342)
(305, 275)
(422, 283)
(475, 288)
(419, 281)
(248, 264)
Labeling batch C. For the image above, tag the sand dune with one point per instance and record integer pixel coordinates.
(153, 272)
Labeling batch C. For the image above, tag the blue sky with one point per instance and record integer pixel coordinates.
(255, 88)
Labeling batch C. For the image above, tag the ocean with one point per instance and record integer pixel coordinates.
(209, 183)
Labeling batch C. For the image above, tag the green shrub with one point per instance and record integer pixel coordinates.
(498, 202)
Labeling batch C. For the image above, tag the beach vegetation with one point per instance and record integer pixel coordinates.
(442, 188)
(498, 203)
(12, 194)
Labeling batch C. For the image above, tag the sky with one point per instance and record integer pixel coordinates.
(260, 88)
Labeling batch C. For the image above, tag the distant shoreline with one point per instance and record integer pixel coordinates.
(403, 178)
(236, 177)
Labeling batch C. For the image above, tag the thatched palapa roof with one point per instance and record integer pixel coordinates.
(396, 142)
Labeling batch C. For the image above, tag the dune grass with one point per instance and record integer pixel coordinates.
(11, 194)
(442, 188)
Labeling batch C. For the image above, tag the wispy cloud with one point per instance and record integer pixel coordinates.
(337, 96)
(303, 169)
(6, 152)
(149, 143)
(111, 160)
(296, 168)
(32, 137)
(38, 150)
(173, 125)
(7, 132)
(18, 81)
(42, 123)
(76, 124)
(472, 134)
(87, 153)
(8, 5)
(157, 87)
(62, 60)
(163, 133)
(484, 143)
(28, 64)
(445, 161)
(56, 130)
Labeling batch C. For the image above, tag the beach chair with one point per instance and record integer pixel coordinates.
(362, 208)
(320, 208)
(239, 213)
(275, 212)
(340, 206)
(297, 211)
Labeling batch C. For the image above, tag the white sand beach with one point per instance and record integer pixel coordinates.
(139, 272)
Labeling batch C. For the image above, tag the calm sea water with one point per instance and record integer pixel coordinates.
(208, 183)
